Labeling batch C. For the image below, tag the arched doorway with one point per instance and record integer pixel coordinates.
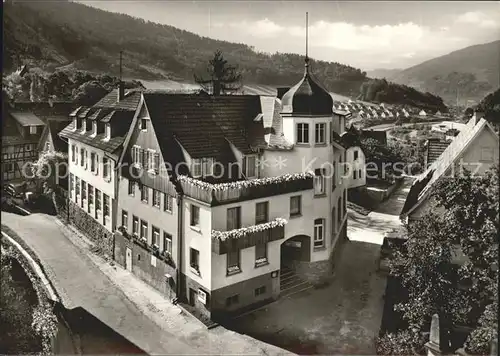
(296, 248)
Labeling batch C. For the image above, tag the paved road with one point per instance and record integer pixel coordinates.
(81, 283)
(372, 227)
(119, 299)
(344, 317)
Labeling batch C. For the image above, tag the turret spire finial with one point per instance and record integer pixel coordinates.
(307, 39)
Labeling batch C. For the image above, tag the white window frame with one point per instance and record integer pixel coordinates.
(84, 125)
(94, 129)
(319, 232)
(487, 154)
(33, 130)
(319, 180)
(152, 164)
(73, 153)
(300, 205)
(320, 128)
(156, 198)
(247, 164)
(106, 168)
(82, 156)
(107, 132)
(47, 146)
(208, 166)
(125, 219)
(93, 161)
(155, 236)
(143, 229)
(302, 139)
(86, 158)
(75, 124)
(196, 168)
(143, 120)
(167, 242)
(136, 156)
(193, 223)
(168, 202)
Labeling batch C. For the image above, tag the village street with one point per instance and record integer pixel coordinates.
(345, 316)
(118, 298)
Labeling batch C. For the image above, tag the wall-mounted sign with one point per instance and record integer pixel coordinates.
(202, 296)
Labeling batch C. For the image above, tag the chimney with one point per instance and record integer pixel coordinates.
(282, 91)
(479, 115)
(121, 91)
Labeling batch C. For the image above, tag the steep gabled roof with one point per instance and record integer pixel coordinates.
(423, 185)
(202, 124)
(107, 110)
(129, 102)
(53, 128)
(27, 118)
(435, 147)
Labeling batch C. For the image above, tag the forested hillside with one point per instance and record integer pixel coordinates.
(379, 90)
(469, 73)
(62, 35)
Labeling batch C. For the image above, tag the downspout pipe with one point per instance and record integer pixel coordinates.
(180, 243)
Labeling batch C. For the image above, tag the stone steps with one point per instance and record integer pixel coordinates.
(291, 283)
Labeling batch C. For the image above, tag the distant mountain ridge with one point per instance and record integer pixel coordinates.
(469, 73)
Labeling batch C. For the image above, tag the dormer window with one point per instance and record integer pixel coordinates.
(75, 123)
(249, 166)
(84, 125)
(94, 129)
(107, 132)
(32, 130)
(202, 167)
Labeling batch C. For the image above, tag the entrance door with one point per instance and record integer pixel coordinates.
(128, 259)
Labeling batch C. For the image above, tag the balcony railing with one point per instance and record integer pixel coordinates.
(224, 193)
(232, 240)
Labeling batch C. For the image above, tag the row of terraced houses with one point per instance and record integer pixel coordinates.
(222, 202)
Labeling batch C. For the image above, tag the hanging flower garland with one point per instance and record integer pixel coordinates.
(246, 183)
(244, 231)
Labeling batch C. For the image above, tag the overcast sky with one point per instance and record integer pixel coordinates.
(367, 35)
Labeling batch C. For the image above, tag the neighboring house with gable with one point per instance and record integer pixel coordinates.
(95, 142)
(355, 170)
(22, 127)
(475, 149)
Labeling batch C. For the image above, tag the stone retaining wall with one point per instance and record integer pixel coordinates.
(102, 238)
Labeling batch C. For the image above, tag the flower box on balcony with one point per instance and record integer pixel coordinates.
(225, 241)
(223, 193)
